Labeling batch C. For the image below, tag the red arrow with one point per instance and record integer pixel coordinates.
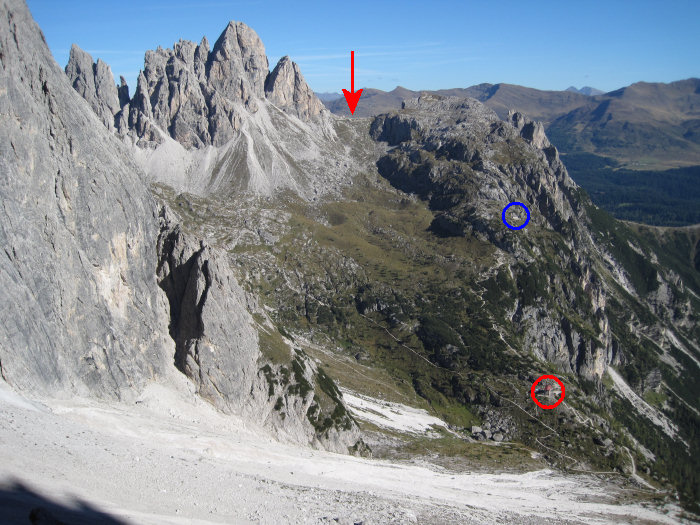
(351, 97)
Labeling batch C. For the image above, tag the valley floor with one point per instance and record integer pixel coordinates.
(167, 459)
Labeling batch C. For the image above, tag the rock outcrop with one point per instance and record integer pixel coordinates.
(123, 92)
(533, 133)
(218, 348)
(216, 344)
(78, 237)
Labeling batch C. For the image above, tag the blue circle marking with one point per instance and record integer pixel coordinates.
(503, 216)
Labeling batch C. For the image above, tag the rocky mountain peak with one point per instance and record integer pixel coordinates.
(190, 97)
(184, 50)
(286, 88)
(201, 55)
(237, 64)
(197, 96)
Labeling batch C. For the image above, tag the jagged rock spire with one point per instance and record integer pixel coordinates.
(237, 65)
(196, 95)
(123, 92)
(286, 88)
(95, 83)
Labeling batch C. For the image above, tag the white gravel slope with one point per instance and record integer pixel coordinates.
(173, 459)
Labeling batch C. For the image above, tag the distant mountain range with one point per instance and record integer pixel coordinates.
(586, 90)
(537, 104)
(642, 126)
(328, 97)
(635, 150)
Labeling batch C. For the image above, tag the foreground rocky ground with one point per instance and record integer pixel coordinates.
(170, 460)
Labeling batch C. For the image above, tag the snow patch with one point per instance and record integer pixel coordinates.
(394, 416)
(636, 248)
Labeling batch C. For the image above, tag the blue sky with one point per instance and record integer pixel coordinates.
(419, 45)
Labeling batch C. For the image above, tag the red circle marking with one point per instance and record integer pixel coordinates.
(532, 392)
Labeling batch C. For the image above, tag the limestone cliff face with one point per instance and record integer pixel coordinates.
(77, 230)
